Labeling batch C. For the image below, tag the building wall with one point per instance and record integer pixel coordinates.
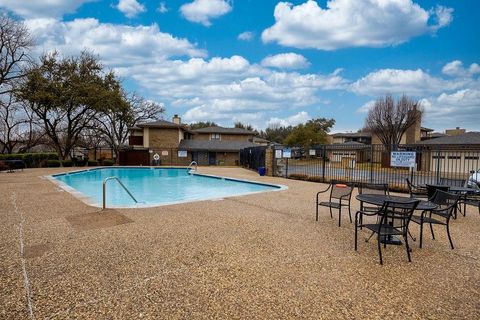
(228, 158)
(163, 138)
(454, 161)
(224, 137)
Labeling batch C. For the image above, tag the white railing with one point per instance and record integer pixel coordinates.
(193, 163)
(105, 190)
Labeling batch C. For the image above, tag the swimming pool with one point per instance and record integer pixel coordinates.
(154, 186)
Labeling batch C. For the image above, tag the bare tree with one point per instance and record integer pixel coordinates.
(15, 44)
(10, 122)
(390, 119)
(113, 123)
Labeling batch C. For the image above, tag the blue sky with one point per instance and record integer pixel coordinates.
(268, 62)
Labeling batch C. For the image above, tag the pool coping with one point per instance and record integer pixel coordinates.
(88, 201)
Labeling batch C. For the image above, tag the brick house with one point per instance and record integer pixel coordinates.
(175, 144)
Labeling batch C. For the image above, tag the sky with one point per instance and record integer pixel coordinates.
(273, 62)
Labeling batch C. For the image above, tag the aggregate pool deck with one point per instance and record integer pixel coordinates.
(260, 256)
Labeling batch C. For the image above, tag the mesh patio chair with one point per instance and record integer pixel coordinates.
(340, 196)
(432, 189)
(393, 219)
(416, 191)
(446, 205)
(372, 188)
(472, 199)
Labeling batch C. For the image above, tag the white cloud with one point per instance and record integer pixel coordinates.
(118, 45)
(202, 11)
(460, 108)
(409, 82)
(456, 69)
(246, 36)
(162, 8)
(366, 106)
(346, 23)
(293, 120)
(42, 9)
(286, 61)
(130, 8)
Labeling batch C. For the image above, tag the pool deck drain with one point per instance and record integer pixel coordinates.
(261, 256)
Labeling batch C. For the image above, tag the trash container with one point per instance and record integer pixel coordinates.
(261, 171)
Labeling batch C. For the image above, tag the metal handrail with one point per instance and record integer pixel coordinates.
(193, 163)
(105, 190)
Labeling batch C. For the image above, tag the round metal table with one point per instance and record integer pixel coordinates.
(380, 199)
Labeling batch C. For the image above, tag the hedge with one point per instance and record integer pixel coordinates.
(92, 163)
(31, 160)
(67, 163)
(107, 162)
(53, 163)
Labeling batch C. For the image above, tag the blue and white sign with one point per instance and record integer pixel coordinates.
(405, 159)
(182, 153)
(287, 153)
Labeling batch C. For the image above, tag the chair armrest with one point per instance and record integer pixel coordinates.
(323, 191)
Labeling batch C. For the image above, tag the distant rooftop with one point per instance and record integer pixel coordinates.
(214, 145)
(217, 129)
(460, 139)
(352, 134)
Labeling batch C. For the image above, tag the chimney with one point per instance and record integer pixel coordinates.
(176, 119)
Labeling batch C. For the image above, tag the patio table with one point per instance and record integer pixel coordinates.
(380, 199)
(463, 191)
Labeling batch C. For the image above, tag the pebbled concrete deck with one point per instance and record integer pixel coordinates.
(261, 256)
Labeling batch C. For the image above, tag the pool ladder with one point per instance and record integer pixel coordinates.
(193, 163)
(105, 190)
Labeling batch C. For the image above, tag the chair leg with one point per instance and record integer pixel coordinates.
(340, 216)
(316, 215)
(431, 229)
(421, 232)
(449, 237)
(349, 213)
(331, 215)
(407, 247)
(356, 230)
(379, 248)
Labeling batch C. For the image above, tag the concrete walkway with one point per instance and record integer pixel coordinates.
(261, 256)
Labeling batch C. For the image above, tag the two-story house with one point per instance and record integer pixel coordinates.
(173, 143)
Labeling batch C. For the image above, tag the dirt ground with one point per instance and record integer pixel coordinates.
(261, 256)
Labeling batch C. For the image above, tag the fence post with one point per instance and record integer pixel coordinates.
(371, 163)
(438, 168)
(286, 168)
(324, 157)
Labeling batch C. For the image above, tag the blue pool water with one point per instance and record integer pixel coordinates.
(155, 186)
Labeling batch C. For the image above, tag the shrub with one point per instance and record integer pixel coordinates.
(31, 160)
(298, 176)
(53, 163)
(67, 163)
(92, 163)
(80, 163)
(107, 162)
(315, 179)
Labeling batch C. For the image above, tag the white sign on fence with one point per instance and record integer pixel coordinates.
(182, 153)
(278, 154)
(312, 152)
(287, 153)
(403, 159)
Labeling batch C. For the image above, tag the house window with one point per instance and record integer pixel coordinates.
(471, 158)
(215, 136)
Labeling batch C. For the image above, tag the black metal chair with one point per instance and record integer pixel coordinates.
(372, 188)
(472, 199)
(432, 189)
(416, 191)
(340, 196)
(446, 205)
(393, 219)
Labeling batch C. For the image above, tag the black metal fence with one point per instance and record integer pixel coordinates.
(253, 158)
(355, 162)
